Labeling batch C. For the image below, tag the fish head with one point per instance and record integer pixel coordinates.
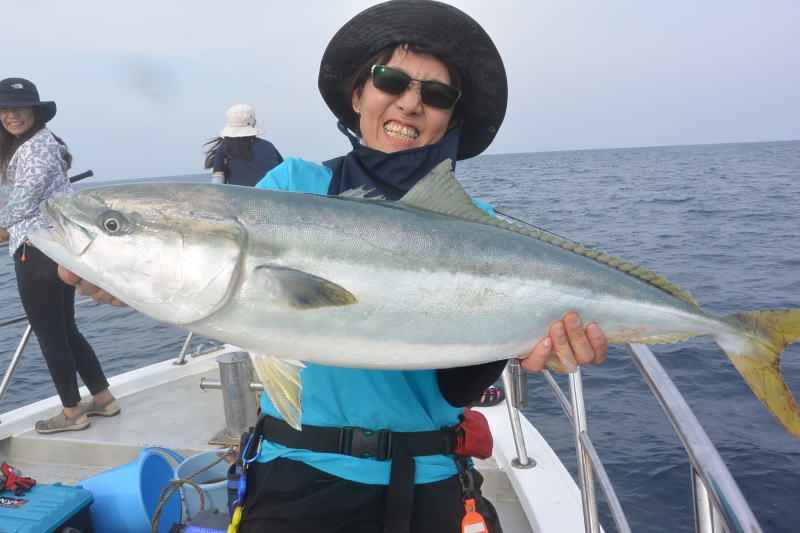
(169, 251)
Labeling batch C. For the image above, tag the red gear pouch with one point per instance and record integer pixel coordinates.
(473, 436)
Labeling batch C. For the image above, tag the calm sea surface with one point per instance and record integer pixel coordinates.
(723, 221)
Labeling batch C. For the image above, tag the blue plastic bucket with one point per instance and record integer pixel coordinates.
(213, 482)
(126, 497)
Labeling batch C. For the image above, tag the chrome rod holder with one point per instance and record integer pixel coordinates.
(521, 460)
(585, 473)
(239, 400)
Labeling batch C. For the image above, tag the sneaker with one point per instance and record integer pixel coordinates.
(60, 422)
(89, 407)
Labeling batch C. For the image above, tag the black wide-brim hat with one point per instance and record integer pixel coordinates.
(19, 92)
(449, 34)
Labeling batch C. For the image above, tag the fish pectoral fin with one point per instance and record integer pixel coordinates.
(301, 290)
(283, 384)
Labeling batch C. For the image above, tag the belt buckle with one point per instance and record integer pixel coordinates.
(366, 443)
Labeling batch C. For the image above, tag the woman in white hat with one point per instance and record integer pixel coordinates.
(238, 156)
(33, 166)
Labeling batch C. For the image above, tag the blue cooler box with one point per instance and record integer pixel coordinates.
(46, 509)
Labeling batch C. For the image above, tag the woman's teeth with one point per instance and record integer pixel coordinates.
(394, 129)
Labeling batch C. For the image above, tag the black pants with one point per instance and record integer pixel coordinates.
(50, 306)
(285, 496)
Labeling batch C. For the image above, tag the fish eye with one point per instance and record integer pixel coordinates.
(111, 222)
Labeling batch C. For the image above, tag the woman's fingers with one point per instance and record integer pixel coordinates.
(100, 296)
(67, 276)
(561, 345)
(88, 289)
(582, 349)
(569, 343)
(537, 359)
(599, 343)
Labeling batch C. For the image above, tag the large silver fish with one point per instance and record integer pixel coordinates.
(430, 281)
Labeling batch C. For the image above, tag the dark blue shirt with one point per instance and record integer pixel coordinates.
(264, 157)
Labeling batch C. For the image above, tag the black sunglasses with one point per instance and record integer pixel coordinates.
(434, 93)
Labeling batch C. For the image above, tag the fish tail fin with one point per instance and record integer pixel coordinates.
(756, 355)
(283, 384)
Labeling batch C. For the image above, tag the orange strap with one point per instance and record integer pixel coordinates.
(472, 522)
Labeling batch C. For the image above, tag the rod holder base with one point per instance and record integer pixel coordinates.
(517, 464)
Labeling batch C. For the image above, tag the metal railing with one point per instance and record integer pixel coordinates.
(23, 342)
(26, 335)
(719, 506)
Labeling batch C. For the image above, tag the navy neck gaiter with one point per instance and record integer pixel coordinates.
(389, 175)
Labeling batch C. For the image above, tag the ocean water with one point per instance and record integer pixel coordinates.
(722, 221)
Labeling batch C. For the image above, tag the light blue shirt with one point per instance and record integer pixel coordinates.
(373, 399)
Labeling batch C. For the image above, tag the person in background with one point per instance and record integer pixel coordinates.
(238, 156)
(33, 167)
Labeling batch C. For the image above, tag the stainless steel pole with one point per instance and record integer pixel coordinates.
(181, 360)
(15, 360)
(522, 460)
(585, 473)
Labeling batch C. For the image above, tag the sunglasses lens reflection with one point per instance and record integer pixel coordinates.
(433, 93)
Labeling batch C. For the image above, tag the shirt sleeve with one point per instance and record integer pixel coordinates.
(31, 178)
(276, 179)
(462, 385)
(297, 175)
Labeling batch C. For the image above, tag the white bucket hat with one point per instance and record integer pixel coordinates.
(240, 121)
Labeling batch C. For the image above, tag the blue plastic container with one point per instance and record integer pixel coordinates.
(44, 509)
(213, 481)
(126, 497)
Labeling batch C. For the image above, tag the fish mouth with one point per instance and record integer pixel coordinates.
(63, 230)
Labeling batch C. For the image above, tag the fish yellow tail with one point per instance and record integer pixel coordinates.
(757, 358)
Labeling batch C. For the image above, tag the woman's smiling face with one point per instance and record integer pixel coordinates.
(18, 120)
(391, 123)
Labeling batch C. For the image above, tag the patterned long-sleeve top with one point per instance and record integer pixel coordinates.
(37, 171)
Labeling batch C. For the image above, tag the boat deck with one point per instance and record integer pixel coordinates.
(163, 405)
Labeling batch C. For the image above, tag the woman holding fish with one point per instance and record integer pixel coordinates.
(418, 82)
(33, 165)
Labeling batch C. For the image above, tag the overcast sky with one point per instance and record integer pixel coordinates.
(141, 85)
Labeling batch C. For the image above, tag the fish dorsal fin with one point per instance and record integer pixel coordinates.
(440, 192)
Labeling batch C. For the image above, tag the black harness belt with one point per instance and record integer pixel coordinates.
(382, 445)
